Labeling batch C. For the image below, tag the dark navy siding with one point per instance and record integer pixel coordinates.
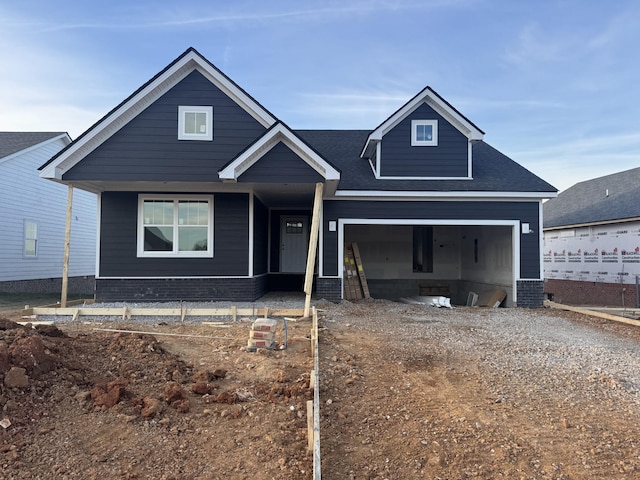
(523, 211)
(447, 159)
(260, 237)
(281, 165)
(118, 231)
(148, 149)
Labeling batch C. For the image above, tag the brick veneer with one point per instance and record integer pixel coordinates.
(530, 293)
(573, 292)
(329, 288)
(76, 285)
(186, 289)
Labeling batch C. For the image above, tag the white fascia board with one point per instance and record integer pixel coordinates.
(109, 125)
(382, 177)
(252, 107)
(429, 97)
(145, 97)
(279, 133)
(64, 136)
(449, 195)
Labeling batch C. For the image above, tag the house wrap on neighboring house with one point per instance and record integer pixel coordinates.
(33, 218)
(206, 195)
(592, 241)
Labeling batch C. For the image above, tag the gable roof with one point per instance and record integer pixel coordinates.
(278, 133)
(493, 172)
(12, 143)
(189, 61)
(606, 199)
(435, 101)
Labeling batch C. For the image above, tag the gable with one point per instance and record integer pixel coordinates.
(147, 148)
(13, 144)
(139, 101)
(402, 158)
(399, 158)
(280, 165)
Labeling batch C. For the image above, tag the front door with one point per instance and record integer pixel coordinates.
(294, 243)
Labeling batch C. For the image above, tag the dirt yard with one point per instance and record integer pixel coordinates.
(407, 392)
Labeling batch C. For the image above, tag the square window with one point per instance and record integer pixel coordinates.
(424, 133)
(295, 227)
(195, 123)
(169, 226)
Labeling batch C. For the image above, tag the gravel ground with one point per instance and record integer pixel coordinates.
(488, 393)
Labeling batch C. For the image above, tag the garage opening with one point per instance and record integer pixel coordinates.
(449, 260)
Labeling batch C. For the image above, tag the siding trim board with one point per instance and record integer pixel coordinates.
(420, 195)
(515, 238)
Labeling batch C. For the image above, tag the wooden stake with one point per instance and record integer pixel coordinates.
(313, 245)
(310, 425)
(67, 245)
(159, 334)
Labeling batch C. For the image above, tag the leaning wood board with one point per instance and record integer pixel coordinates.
(360, 270)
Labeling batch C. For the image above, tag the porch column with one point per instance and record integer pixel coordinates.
(67, 243)
(313, 245)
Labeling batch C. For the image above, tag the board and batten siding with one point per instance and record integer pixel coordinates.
(26, 196)
(148, 149)
(448, 159)
(417, 210)
(118, 240)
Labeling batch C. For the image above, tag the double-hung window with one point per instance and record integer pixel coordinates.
(170, 226)
(30, 239)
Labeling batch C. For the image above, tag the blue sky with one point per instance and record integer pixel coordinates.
(554, 84)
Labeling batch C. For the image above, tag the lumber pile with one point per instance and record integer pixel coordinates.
(355, 281)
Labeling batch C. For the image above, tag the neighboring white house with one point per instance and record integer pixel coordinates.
(592, 241)
(33, 217)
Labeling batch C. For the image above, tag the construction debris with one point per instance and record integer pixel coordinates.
(433, 301)
(262, 334)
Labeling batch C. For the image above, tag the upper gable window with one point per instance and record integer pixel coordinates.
(195, 123)
(424, 133)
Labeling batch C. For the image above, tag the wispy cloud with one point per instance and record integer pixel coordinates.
(192, 15)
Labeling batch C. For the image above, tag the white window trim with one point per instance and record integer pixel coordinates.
(183, 110)
(24, 238)
(429, 143)
(176, 253)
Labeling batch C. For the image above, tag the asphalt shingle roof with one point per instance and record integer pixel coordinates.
(609, 198)
(12, 142)
(492, 170)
